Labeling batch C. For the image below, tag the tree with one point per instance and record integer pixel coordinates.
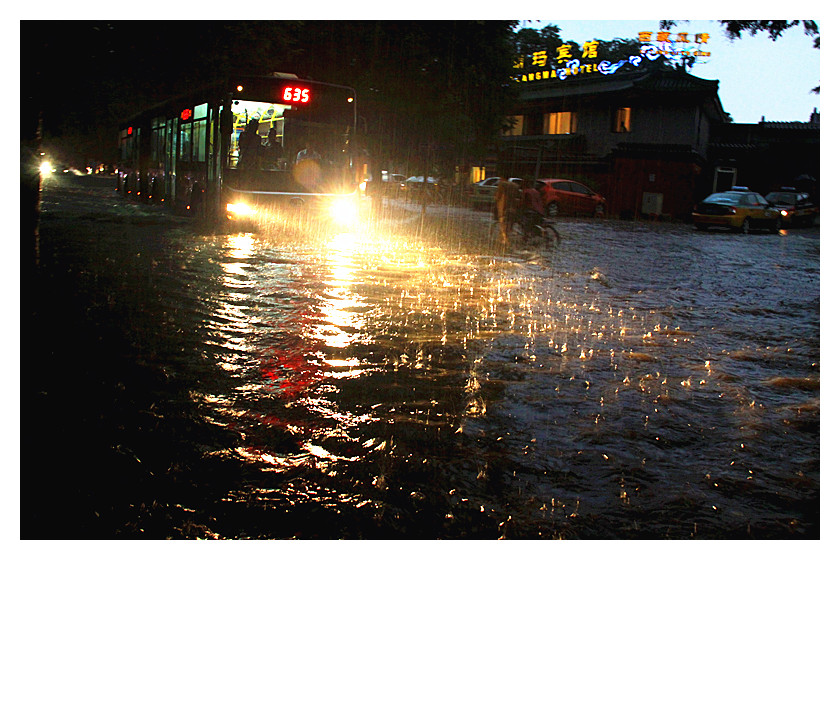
(774, 28)
(528, 40)
(426, 89)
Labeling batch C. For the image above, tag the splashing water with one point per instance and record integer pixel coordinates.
(629, 382)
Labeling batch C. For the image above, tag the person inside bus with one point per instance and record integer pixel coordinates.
(307, 153)
(273, 151)
(249, 146)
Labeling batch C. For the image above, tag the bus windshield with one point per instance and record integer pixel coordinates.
(291, 136)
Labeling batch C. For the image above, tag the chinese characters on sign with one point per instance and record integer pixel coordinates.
(560, 62)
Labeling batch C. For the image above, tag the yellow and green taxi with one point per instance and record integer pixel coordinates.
(738, 209)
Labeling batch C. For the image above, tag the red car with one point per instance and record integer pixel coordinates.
(563, 196)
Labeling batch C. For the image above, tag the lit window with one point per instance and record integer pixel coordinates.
(621, 121)
(559, 123)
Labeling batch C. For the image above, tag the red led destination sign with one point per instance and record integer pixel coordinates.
(296, 95)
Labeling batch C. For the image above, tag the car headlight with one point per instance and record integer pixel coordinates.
(240, 209)
(344, 211)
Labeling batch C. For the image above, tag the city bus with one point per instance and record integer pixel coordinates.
(246, 148)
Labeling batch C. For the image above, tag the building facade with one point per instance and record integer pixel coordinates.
(766, 156)
(653, 140)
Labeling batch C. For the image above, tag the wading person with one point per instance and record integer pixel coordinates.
(506, 205)
(532, 207)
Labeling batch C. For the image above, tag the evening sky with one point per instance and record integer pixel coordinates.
(758, 77)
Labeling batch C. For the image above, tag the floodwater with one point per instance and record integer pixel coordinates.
(633, 381)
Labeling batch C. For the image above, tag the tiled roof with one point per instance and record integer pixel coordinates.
(734, 146)
(652, 147)
(791, 125)
(657, 78)
(675, 80)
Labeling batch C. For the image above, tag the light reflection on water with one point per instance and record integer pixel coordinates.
(583, 382)
(634, 381)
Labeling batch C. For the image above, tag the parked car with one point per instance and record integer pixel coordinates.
(414, 181)
(738, 209)
(567, 197)
(797, 208)
(483, 193)
(392, 184)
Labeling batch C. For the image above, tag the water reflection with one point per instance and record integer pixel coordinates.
(386, 361)
(340, 323)
(629, 382)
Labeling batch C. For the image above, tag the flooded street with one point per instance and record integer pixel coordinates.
(637, 380)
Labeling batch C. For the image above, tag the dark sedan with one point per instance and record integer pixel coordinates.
(797, 207)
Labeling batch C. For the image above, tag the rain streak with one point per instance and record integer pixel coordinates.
(411, 379)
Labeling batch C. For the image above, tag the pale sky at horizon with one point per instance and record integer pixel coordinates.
(758, 77)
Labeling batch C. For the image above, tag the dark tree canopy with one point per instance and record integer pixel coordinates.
(774, 28)
(431, 93)
(528, 40)
(427, 90)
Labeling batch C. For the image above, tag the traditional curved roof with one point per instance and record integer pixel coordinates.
(656, 78)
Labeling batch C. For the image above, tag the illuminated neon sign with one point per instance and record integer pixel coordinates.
(561, 63)
(295, 95)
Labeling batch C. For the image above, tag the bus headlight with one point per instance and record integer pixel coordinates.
(344, 210)
(240, 210)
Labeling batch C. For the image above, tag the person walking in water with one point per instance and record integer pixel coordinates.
(532, 207)
(506, 205)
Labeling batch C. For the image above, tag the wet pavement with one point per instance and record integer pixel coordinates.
(410, 379)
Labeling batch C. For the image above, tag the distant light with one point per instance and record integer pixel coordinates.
(186, 114)
(46, 168)
(350, 99)
(239, 88)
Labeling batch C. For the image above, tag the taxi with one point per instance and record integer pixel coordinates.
(797, 206)
(738, 209)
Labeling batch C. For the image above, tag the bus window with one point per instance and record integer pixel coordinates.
(185, 154)
(199, 138)
(158, 146)
(268, 116)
